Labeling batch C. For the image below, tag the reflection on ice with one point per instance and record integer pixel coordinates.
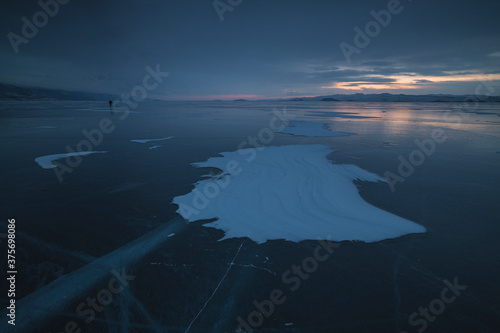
(289, 192)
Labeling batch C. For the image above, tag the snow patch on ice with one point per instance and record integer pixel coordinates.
(46, 161)
(151, 140)
(289, 192)
(312, 129)
(154, 147)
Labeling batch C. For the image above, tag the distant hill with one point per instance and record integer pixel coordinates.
(16, 93)
(397, 98)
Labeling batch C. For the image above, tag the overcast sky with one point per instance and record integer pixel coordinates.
(261, 48)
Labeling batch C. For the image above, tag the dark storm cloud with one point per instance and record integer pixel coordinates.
(267, 48)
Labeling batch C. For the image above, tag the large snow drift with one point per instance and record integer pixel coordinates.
(289, 192)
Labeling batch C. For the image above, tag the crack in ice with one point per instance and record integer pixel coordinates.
(213, 293)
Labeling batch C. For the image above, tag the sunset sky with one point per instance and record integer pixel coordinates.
(261, 48)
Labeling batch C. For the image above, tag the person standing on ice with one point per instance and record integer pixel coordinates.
(111, 108)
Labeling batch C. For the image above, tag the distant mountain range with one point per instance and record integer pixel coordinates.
(397, 98)
(16, 93)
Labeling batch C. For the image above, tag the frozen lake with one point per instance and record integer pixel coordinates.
(413, 196)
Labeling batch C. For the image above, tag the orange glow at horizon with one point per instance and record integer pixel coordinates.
(411, 81)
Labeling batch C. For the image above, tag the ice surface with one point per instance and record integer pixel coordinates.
(126, 187)
(151, 140)
(289, 192)
(46, 161)
(46, 127)
(312, 129)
